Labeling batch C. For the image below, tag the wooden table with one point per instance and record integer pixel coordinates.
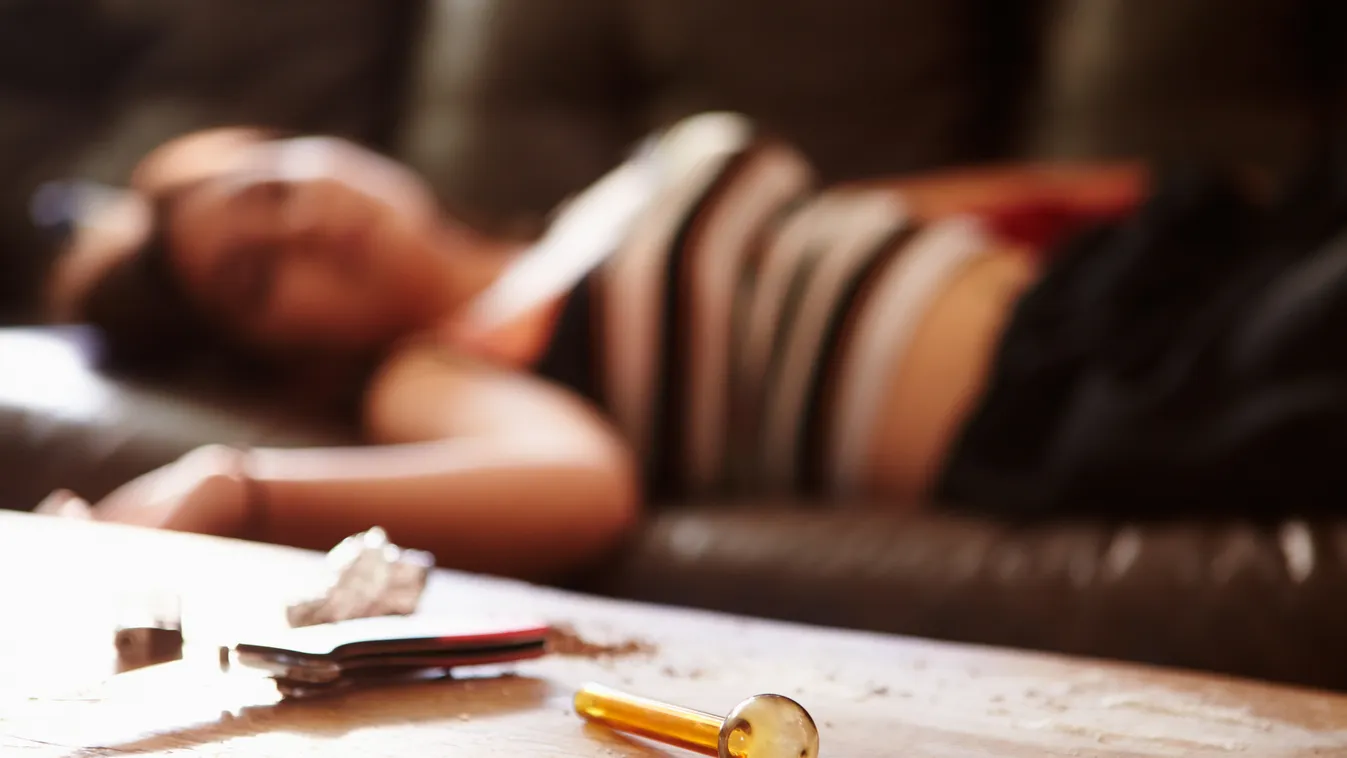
(871, 695)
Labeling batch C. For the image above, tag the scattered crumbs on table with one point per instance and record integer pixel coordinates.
(881, 690)
(564, 640)
(674, 673)
(827, 725)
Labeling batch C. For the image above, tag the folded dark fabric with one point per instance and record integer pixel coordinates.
(1185, 361)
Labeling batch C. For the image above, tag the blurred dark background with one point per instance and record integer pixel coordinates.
(508, 105)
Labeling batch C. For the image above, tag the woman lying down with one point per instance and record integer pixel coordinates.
(705, 319)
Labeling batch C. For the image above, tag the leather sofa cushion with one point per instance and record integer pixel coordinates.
(59, 61)
(1253, 600)
(66, 422)
(331, 66)
(513, 104)
(1247, 82)
(517, 104)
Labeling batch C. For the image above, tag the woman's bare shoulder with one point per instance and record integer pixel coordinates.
(416, 392)
(424, 357)
(426, 391)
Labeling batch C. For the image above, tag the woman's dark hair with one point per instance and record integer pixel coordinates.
(149, 323)
(137, 305)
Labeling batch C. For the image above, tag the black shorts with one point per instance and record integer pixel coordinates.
(1188, 361)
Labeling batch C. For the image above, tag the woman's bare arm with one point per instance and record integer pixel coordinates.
(494, 472)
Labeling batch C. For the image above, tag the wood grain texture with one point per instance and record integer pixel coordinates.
(870, 694)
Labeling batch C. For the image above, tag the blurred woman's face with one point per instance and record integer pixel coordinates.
(308, 242)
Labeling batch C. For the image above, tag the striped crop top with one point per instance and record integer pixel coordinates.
(740, 329)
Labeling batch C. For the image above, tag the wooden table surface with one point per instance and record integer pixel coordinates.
(871, 695)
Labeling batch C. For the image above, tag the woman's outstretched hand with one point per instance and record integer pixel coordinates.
(65, 504)
(203, 492)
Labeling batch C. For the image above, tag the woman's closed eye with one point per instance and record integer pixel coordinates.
(278, 191)
(246, 270)
(269, 199)
(249, 277)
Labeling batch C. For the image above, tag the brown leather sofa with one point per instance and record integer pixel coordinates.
(508, 105)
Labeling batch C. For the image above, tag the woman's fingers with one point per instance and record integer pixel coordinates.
(65, 504)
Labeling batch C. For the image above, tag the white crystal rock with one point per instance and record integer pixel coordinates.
(367, 576)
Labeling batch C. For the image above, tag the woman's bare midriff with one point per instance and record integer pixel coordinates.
(936, 382)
